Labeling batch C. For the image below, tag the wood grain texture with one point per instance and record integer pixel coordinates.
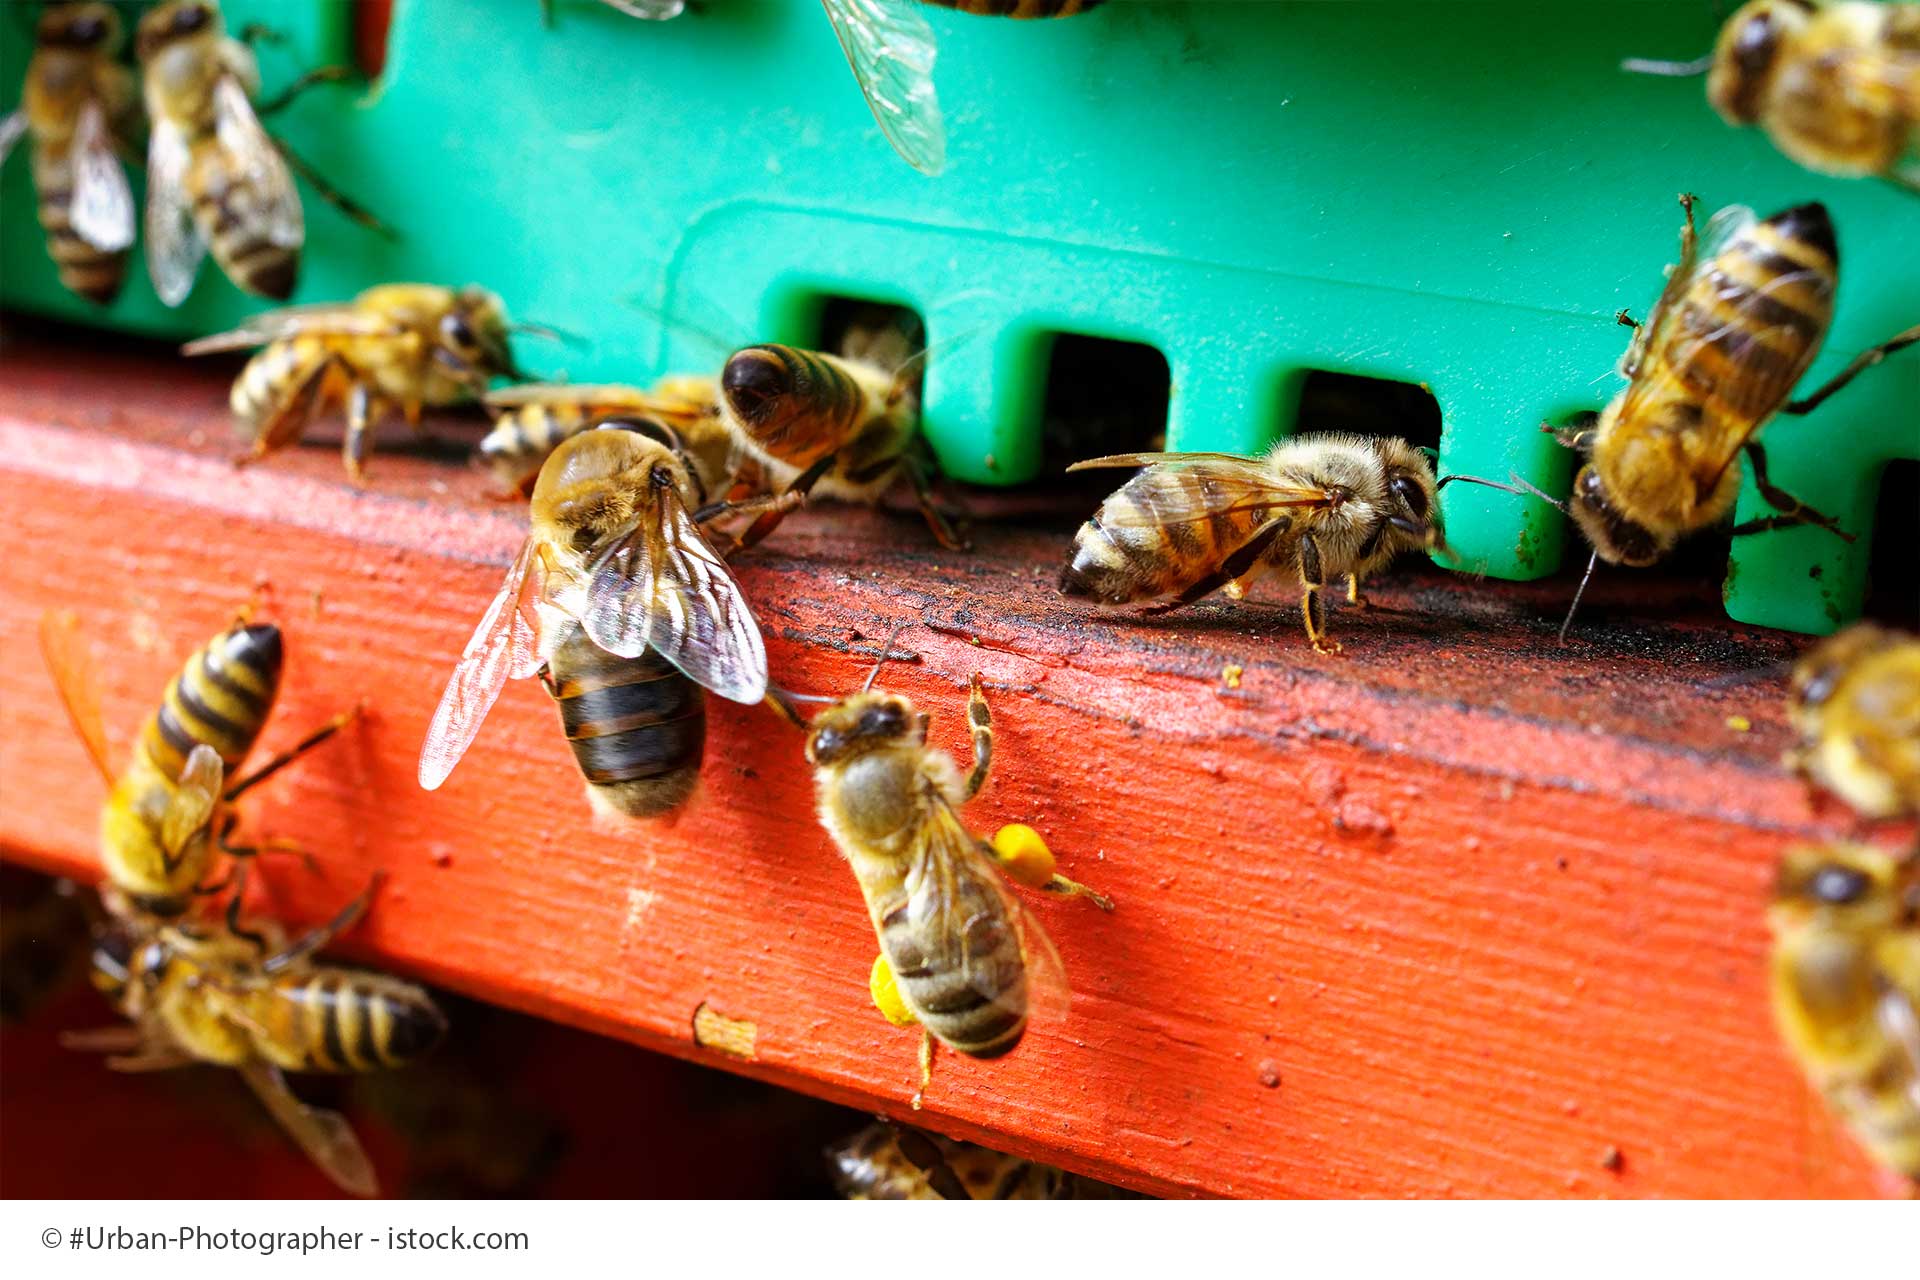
(1457, 914)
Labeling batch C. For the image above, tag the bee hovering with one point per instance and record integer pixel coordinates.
(617, 601)
(215, 177)
(956, 947)
(887, 1161)
(1317, 507)
(242, 996)
(1846, 989)
(1835, 86)
(396, 346)
(75, 101)
(167, 811)
(1740, 320)
(1856, 705)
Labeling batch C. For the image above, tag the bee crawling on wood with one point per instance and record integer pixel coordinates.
(242, 996)
(957, 950)
(533, 419)
(1856, 704)
(1835, 86)
(1846, 989)
(1316, 507)
(396, 346)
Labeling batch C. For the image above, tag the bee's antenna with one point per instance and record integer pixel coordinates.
(547, 331)
(1518, 486)
(1572, 608)
(1655, 67)
(886, 650)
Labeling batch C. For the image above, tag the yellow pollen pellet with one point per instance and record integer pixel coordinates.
(886, 994)
(1024, 854)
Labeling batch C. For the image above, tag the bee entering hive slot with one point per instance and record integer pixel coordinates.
(867, 328)
(1893, 576)
(1102, 396)
(1369, 407)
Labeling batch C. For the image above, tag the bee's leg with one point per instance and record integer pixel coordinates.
(363, 409)
(280, 761)
(260, 33)
(783, 707)
(1025, 857)
(1862, 362)
(1354, 595)
(772, 510)
(947, 527)
(121, 1039)
(1239, 565)
(980, 726)
(1577, 435)
(316, 938)
(332, 195)
(926, 1068)
(1792, 510)
(1312, 578)
(305, 81)
(152, 1057)
(1623, 317)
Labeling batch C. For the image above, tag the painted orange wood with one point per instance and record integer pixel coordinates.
(1461, 913)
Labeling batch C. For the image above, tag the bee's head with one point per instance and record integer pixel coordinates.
(177, 22)
(83, 27)
(1818, 672)
(1413, 514)
(593, 485)
(1617, 538)
(470, 342)
(1845, 886)
(865, 722)
(124, 964)
(1745, 56)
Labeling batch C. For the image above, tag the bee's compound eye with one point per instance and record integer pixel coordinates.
(191, 18)
(86, 31)
(1819, 687)
(1838, 886)
(1754, 46)
(457, 331)
(1410, 493)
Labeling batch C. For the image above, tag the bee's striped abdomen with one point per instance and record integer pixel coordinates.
(974, 1002)
(798, 406)
(1128, 551)
(221, 697)
(346, 1020)
(93, 273)
(1754, 316)
(637, 726)
(270, 380)
(523, 437)
(1020, 8)
(226, 208)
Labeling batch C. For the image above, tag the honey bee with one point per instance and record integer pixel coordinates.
(892, 1162)
(532, 420)
(617, 601)
(1318, 506)
(956, 947)
(1835, 86)
(166, 814)
(891, 48)
(242, 996)
(1856, 705)
(396, 346)
(75, 95)
(1846, 989)
(1741, 318)
(215, 177)
(845, 427)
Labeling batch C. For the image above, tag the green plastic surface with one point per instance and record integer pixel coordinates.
(1460, 195)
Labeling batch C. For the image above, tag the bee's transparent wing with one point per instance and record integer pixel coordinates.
(190, 807)
(324, 1135)
(174, 244)
(68, 660)
(967, 912)
(261, 173)
(1722, 227)
(505, 646)
(12, 127)
(662, 587)
(891, 50)
(1185, 488)
(651, 10)
(102, 209)
(334, 319)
